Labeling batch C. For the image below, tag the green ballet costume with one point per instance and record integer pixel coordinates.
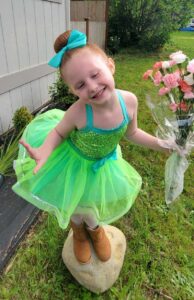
(85, 171)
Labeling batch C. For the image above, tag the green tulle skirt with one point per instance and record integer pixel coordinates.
(67, 181)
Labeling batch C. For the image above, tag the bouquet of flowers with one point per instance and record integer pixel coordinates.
(173, 110)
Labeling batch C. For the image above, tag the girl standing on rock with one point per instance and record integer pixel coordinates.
(79, 173)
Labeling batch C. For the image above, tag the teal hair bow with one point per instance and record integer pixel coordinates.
(76, 39)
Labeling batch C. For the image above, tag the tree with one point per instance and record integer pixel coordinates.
(146, 23)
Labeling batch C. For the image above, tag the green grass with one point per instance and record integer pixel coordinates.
(159, 261)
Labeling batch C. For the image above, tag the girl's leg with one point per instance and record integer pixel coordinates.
(81, 244)
(97, 234)
(100, 241)
(90, 220)
(77, 219)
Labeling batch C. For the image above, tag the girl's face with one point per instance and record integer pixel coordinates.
(90, 76)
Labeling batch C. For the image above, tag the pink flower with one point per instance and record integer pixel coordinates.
(185, 88)
(183, 106)
(163, 91)
(168, 64)
(173, 106)
(178, 74)
(170, 80)
(190, 67)
(172, 62)
(189, 95)
(157, 65)
(178, 57)
(157, 78)
(147, 74)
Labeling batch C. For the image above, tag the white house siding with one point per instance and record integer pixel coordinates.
(28, 29)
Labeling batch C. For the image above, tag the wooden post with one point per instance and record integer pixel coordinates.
(106, 20)
(87, 27)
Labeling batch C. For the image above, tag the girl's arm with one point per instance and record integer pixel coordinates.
(54, 138)
(134, 133)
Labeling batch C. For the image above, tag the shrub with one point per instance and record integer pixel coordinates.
(146, 24)
(8, 153)
(60, 94)
(21, 118)
(114, 44)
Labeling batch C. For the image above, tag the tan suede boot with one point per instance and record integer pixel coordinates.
(101, 243)
(81, 244)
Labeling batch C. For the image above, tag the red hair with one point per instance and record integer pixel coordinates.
(61, 41)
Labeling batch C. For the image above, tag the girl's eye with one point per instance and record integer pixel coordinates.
(80, 86)
(95, 75)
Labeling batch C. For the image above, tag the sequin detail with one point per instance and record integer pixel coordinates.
(96, 145)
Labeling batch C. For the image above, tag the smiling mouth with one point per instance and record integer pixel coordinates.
(98, 94)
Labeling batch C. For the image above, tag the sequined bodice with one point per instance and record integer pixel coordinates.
(96, 143)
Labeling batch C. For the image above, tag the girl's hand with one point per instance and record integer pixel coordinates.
(38, 154)
(170, 145)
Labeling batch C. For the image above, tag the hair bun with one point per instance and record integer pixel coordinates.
(61, 40)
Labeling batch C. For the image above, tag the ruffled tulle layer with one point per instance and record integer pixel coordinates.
(67, 180)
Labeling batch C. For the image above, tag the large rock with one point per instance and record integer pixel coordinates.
(97, 276)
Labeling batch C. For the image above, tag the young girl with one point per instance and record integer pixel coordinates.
(73, 166)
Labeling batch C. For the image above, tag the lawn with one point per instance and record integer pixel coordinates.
(159, 261)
